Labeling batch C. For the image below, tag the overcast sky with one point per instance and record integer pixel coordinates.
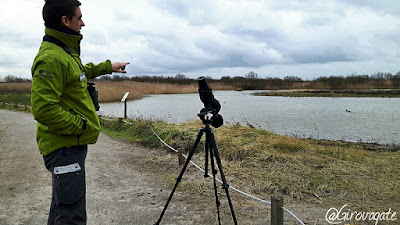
(304, 38)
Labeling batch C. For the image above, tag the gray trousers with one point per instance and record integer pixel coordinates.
(68, 204)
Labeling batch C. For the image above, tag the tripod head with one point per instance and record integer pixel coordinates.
(210, 117)
(211, 105)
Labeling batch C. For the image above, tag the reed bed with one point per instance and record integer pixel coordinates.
(113, 91)
(16, 87)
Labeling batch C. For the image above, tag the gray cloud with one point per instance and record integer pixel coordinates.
(303, 38)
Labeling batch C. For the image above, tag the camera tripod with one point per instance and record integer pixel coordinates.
(210, 148)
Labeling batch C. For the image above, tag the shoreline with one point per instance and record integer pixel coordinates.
(368, 146)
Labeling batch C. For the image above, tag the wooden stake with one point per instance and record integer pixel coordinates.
(276, 210)
(180, 156)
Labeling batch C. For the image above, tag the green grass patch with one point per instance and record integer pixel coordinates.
(19, 101)
(141, 132)
(16, 97)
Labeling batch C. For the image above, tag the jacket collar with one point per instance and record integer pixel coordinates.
(69, 37)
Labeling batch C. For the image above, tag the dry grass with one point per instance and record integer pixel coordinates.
(113, 91)
(16, 87)
(354, 86)
(310, 171)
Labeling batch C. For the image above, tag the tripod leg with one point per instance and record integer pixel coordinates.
(214, 172)
(225, 185)
(206, 149)
(199, 135)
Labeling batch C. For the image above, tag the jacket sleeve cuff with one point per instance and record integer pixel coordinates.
(108, 66)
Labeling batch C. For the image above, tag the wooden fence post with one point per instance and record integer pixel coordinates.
(180, 156)
(276, 210)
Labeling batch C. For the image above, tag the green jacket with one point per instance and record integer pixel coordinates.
(60, 101)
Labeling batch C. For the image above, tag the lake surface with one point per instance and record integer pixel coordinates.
(351, 119)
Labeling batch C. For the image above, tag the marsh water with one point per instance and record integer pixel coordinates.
(375, 120)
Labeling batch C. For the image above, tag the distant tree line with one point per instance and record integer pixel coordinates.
(379, 80)
(14, 79)
(178, 79)
(251, 81)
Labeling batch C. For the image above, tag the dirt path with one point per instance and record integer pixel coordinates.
(119, 189)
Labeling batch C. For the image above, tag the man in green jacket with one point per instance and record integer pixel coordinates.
(63, 108)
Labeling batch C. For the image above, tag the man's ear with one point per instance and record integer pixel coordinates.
(64, 21)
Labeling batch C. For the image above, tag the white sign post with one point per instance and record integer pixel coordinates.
(124, 100)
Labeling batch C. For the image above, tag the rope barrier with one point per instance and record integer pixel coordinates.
(237, 190)
(111, 120)
(106, 119)
(292, 214)
(127, 122)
